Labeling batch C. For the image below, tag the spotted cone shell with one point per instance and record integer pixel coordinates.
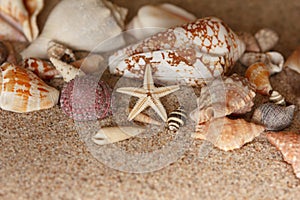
(86, 98)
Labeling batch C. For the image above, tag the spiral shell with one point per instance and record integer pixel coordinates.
(22, 91)
(273, 116)
(266, 38)
(277, 98)
(293, 61)
(176, 119)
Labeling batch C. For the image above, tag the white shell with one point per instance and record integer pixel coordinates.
(277, 98)
(80, 25)
(267, 39)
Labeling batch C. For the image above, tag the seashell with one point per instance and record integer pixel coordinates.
(13, 57)
(23, 15)
(273, 116)
(145, 119)
(288, 143)
(60, 52)
(22, 91)
(41, 68)
(227, 134)
(258, 74)
(3, 53)
(90, 64)
(108, 135)
(250, 41)
(9, 32)
(275, 63)
(233, 94)
(249, 58)
(293, 61)
(277, 98)
(266, 38)
(161, 16)
(98, 21)
(95, 104)
(189, 54)
(176, 119)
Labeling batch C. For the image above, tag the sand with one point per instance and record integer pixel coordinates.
(43, 155)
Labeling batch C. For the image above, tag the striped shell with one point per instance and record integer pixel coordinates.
(277, 98)
(176, 119)
(86, 98)
(188, 54)
(22, 91)
(233, 94)
(227, 134)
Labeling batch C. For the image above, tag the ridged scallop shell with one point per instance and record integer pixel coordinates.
(227, 134)
(22, 14)
(267, 39)
(250, 41)
(86, 24)
(3, 53)
(22, 91)
(293, 61)
(258, 74)
(288, 144)
(189, 54)
(96, 103)
(108, 135)
(233, 94)
(273, 116)
(161, 16)
(277, 98)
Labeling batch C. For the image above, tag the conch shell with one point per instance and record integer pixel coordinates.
(86, 23)
(189, 54)
(22, 91)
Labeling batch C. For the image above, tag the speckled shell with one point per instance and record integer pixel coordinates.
(61, 52)
(277, 98)
(189, 54)
(233, 94)
(227, 134)
(258, 74)
(3, 53)
(22, 91)
(293, 61)
(250, 41)
(289, 145)
(267, 39)
(273, 116)
(86, 98)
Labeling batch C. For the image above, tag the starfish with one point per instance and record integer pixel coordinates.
(148, 96)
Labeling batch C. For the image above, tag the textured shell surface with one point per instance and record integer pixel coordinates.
(60, 52)
(232, 94)
(293, 61)
(258, 74)
(86, 98)
(187, 54)
(227, 134)
(289, 145)
(67, 71)
(98, 21)
(274, 117)
(22, 91)
(250, 41)
(162, 16)
(266, 38)
(3, 53)
(277, 98)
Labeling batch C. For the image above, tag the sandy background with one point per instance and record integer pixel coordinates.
(43, 157)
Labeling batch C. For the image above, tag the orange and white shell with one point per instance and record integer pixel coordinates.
(223, 97)
(258, 74)
(227, 134)
(189, 54)
(293, 61)
(22, 91)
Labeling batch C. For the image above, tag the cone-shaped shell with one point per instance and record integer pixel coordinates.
(22, 91)
(228, 134)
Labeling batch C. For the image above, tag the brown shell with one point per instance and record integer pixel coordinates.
(250, 41)
(266, 38)
(227, 134)
(293, 61)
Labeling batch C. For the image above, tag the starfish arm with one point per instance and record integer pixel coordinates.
(148, 80)
(141, 105)
(159, 108)
(137, 92)
(163, 91)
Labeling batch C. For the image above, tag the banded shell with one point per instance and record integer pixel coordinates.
(250, 41)
(277, 98)
(227, 134)
(293, 61)
(98, 21)
(3, 53)
(273, 116)
(258, 74)
(108, 135)
(288, 144)
(232, 94)
(22, 91)
(189, 54)
(41, 68)
(267, 39)
(86, 98)
(162, 16)
(176, 119)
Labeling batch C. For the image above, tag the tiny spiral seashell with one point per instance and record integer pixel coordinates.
(3, 53)
(266, 38)
(277, 98)
(176, 119)
(273, 116)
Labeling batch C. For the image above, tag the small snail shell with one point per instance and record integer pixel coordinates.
(176, 119)
(277, 98)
